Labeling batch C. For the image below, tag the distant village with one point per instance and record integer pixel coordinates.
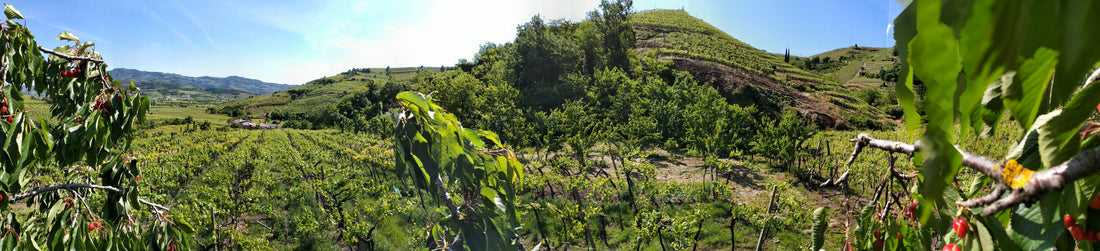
(246, 124)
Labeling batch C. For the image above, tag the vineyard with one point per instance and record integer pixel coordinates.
(326, 189)
(258, 189)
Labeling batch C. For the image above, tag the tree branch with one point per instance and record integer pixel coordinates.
(69, 57)
(447, 197)
(86, 207)
(154, 205)
(1092, 77)
(65, 186)
(70, 187)
(1086, 163)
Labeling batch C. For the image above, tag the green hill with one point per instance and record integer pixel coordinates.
(318, 96)
(747, 75)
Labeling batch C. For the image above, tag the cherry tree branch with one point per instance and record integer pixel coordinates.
(81, 198)
(1085, 163)
(65, 186)
(447, 197)
(68, 57)
(154, 205)
(1093, 77)
(70, 188)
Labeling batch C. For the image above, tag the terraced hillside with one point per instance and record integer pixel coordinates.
(747, 75)
(860, 77)
(856, 66)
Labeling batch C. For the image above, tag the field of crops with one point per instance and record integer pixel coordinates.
(327, 189)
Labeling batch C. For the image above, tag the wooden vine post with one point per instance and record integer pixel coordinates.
(764, 229)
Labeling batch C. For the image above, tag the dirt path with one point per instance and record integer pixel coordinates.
(747, 182)
(864, 65)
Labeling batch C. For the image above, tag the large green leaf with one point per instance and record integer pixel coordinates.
(1057, 135)
(904, 31)
(1080, 35)
(973, 42)
(934, 59)
(1024, 95)
(1032, 230)
(68, 36)
(11, 12)
(993, 104)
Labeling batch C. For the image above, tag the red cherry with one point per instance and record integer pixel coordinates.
(91, 226)
(899, 237)
(879, 244)
(1068, 221)
(1098, 108)
(912, 210)
(960, 227)
(951, 247)
(4, 109)
(10, 119)
(878, 234)
(1077, 232)
(1095, 202)
(1090, 235)
(137, 177)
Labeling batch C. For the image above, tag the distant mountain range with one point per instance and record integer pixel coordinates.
(170, 85)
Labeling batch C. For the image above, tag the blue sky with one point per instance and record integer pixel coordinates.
(293, 42)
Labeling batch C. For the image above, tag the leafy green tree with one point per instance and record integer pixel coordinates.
(613, 19)
(582, 128)
(490, 105)
(784, 139)
(590, 42)
(544, 60)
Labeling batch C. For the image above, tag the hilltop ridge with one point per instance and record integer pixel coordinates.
(171, 85)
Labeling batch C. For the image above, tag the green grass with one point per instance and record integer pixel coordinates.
(197, 112)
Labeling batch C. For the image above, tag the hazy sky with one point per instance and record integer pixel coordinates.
(293, 42)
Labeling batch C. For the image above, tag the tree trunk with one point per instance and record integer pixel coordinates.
(698, 230)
